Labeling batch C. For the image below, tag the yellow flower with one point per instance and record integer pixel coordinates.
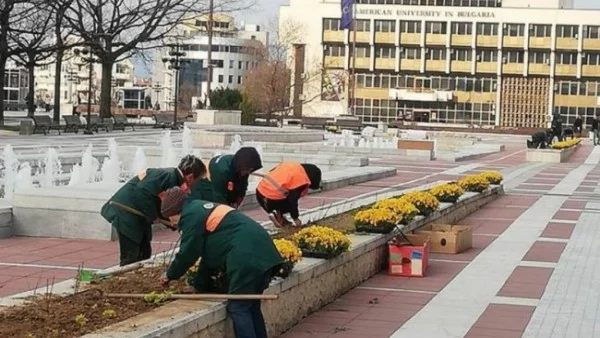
(492, 176)
(288, 250)
(474, 183)
(403, 209)
(566, 144)
(424, 201)
(447, 192)
(377, 217)
(320, 239)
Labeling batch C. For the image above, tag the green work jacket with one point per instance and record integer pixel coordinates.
(219, 186)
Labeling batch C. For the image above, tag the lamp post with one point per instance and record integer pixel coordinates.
(175, 61)
(157, 89)
(90, 60)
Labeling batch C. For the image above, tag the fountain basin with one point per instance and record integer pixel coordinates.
(74, 211)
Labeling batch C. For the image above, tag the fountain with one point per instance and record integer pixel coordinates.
(186, 141)
(75, 178)
(111, 167)
(52, 168)
(89, 167)
(236, 144)
(24, 179)
(168, 153)
(139, 161)
(11, 167)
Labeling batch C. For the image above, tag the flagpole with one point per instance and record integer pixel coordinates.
(353, 67)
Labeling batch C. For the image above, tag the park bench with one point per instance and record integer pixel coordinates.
(354, 125)
(163, 120)
(121, 122)
(44, 123)
(72, 123)
(96, 123)
(314, 122)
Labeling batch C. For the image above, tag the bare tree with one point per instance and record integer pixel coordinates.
(60, 34)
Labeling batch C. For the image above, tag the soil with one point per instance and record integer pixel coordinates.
(343, 223)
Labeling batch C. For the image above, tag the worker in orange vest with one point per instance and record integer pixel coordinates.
(281, 188)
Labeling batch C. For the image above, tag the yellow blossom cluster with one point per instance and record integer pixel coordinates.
(566, 144)
(492, 176)
(474, 183)
(424, 201)
(377, 217)
(447, 192)
(322, 240)
(288, 250)
(399, 206)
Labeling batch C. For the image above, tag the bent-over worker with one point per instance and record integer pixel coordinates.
(281, 188)
(226, 181)
(223, 237)
(143, 194)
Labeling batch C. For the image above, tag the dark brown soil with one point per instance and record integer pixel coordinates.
(343, 222)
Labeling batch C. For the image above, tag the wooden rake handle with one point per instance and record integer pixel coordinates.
(201, 296)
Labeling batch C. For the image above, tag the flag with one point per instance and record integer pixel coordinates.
(347, 15)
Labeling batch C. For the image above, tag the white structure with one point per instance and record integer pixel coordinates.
(507, 63)
(16, 85)
(234, 52)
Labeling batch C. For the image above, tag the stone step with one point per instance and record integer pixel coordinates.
(6, 229)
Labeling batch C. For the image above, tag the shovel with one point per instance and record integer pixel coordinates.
(200, 296)
(138, 213)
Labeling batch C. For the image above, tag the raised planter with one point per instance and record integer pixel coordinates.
(550, 155)
(313, 283)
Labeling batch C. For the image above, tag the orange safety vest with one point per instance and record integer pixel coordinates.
(216, 216)
(283, 178)
(142, 175)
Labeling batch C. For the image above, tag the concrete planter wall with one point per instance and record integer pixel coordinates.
(550, 155)
(313, 284)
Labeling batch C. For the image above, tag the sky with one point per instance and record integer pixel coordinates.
(265, 13)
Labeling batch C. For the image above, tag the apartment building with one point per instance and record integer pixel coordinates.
(508, 63)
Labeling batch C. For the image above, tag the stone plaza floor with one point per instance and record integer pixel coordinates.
(531, 271)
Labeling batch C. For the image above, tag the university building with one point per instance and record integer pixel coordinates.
(509, 63)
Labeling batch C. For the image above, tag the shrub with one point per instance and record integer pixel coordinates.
(474, 183)
(492, 176)
(447, 192)
(566, 144)
(377, 220)
(291, 255)
(403, 209)
(321, 242)
(424, 201)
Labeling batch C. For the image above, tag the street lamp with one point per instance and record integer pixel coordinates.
(175, 62)
(157, 89)
(90, 60)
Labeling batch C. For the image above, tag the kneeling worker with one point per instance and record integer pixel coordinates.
(143, 194)
(281, 188)
(223, 237)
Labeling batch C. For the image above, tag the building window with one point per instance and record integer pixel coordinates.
(566, 31)
(591, 59)
(514, 56)
(462, 55)
(435, 27)
(514, 29)
(487, 29)
(363, 25)
(231, 63)
(230, 79)
(591, 32)
(385, 26)
(566, 58)
(362, 51)
(540, 31)
(487, 55)
(330, 24)
(436, 54)
(240, 65)
(410, 26)
(539, 57)
(239, 80)
(412, 53)
(247, 64)
(462, 28)
(385, 52)
(220, 78)
(335, 50)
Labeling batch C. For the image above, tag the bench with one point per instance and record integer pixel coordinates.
(355, 125)
(45, 124)
(163, 120)
(120, 122)
(73, 122)
(313, 122)
(96, 123)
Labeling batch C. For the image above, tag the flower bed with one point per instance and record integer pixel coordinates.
(447, 192)
(474, 183)
(321, 242)
(558, 152)
(566, 144)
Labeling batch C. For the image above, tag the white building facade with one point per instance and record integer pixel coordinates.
(510, 63)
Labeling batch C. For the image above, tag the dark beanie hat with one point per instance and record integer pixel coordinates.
(314, 175)
(172, 202)
(247, 158)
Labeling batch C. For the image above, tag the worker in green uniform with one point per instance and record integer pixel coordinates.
(226, 181)
(143, 194)
(223, 237)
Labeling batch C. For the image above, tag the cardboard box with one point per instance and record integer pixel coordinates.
(409, 260)
(449, 239)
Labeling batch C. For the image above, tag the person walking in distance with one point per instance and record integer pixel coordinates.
(596, 130)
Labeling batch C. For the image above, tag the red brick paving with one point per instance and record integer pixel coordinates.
(500, 211)
(500, 321)
(567, 215)
(526, 282)
(558, 230)
(574, 204)
(544, 252)
(492, 227)
(535, 187)
(585, 189)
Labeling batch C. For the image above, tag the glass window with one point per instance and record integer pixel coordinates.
(462, 28)
(514, 29)
(591, 59)
(566, 31)
(540, 31)
(487, 55)
(462, 55)
(436, 54)
(488, 29)
(435, 27)
(410, 26)
(363, 25)
(330, 24)
(566, 58)
(514, 56)
(539, 57)
(385, 52)
(412, 53)
(591, 32)
(385, 26)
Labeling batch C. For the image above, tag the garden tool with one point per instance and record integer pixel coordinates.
(200, 296)
(138, 213)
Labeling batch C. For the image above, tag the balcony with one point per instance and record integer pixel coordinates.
(435, 39)
(590, 71)
(486, 41)
(389, 64)
(361, 37)
(591, 44)
(410, 38)
(566, 70)
(461, 40)
(385, 37)
(539, 69)
(566, 43)
(460, 66)
(513, 42)
(363, 63)
(513, 68)
(463, 96)
(333, 36)
(435, 65)
(486, 67)
(410, 64)
(334, 61)
(575, 100)
(542, 43)
(421, 95)
(372, 93)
